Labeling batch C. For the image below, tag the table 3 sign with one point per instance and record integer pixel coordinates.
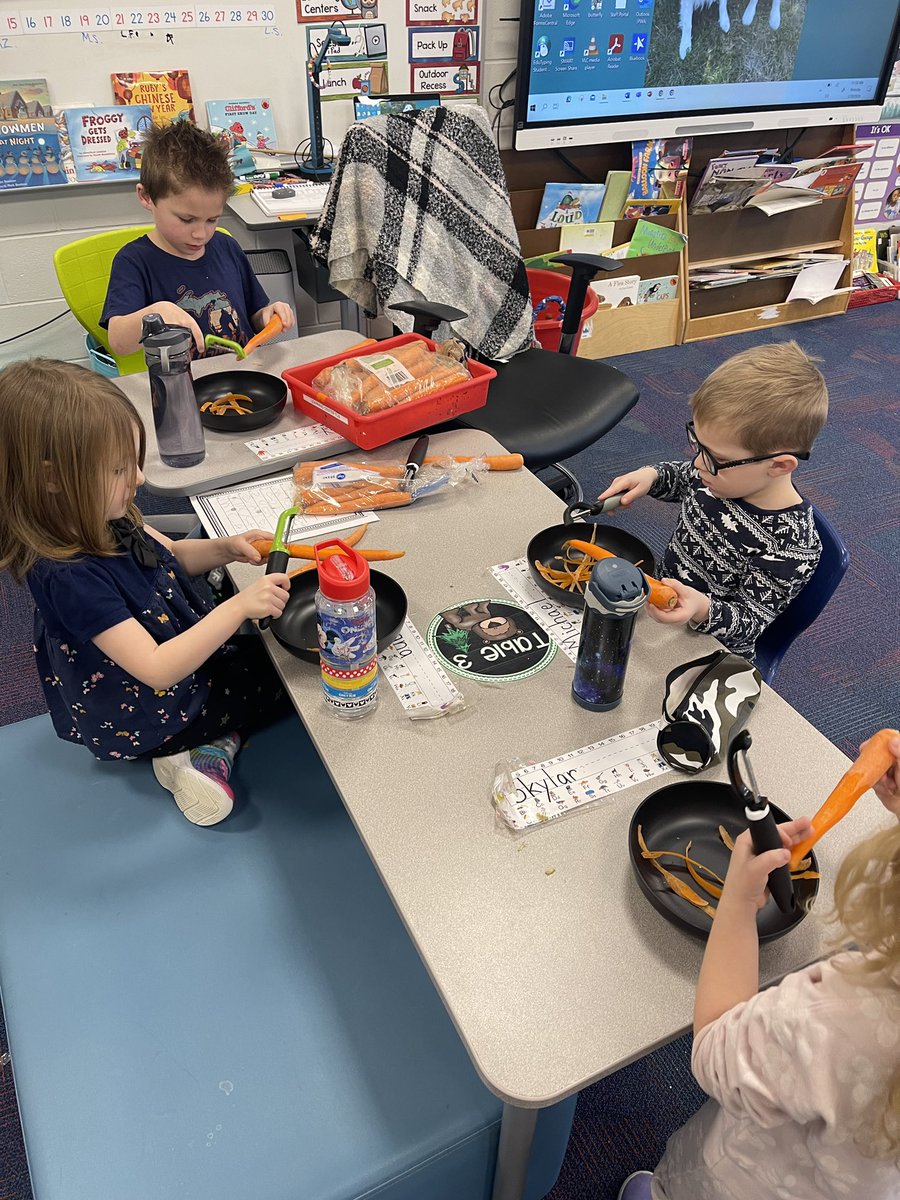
(490, 640)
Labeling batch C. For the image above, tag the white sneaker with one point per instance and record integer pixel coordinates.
(203, 799)
(636, 1186)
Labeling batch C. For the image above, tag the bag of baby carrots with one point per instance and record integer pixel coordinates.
(371, 383)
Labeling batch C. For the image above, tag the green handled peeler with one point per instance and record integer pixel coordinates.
(227, 343)
(279, 555)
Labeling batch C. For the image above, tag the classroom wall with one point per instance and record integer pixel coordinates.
(32, 226)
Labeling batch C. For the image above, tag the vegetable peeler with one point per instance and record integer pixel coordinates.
(270, 330)
(589, 510)
(279, 555)
(414, 463)
(763, 830)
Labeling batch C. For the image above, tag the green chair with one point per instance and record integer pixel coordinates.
(82, 269)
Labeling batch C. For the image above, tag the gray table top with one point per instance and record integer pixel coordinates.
(252, 216)
(228, 460)
(553, 980)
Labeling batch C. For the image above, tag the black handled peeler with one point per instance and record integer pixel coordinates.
(763, 830)
(279, 555)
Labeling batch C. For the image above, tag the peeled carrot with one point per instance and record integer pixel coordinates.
(271, 329)
(874, 759)
(309, 552)
(661, 595)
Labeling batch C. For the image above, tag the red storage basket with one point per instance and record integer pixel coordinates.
(369, 432)
(548, 330)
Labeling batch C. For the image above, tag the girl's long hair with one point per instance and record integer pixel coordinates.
(867, 905)
(62, 430)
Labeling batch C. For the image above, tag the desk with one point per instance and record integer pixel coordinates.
(228, 461)
(552, 980)
(309, 277)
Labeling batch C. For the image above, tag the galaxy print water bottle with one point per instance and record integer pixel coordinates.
(614, 594)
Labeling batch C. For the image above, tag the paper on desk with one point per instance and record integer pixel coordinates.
(817, 282)
(559, 620)
(259, 503)
(539, 792)
(292, 442)
(421, 684)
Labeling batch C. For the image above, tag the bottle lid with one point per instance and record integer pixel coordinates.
(156, 334)
(342, 576)
(616, 588)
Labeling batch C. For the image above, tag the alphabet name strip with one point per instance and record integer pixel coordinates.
(561, 622)
(103, 19)
(421, 684)
(542, 791)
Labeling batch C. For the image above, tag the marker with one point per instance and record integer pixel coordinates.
(256, 175)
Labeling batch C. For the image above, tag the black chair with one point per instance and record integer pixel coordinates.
(547, 406)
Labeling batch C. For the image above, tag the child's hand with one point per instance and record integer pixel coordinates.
(692, 606)
(887, 789)
(240, 548)
(173, 315)
(748, 873)
(266, 596)
(278, 309)
(634, 485)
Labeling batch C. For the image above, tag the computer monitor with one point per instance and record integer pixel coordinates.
(594, 71)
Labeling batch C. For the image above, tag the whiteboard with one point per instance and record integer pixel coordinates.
(231, 50)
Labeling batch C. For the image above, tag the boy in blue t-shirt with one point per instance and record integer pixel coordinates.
(184, 269)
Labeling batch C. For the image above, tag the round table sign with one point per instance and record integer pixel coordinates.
(494, 641)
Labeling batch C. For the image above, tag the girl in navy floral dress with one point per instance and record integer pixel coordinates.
(135, 662)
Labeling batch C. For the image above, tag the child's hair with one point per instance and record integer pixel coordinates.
(867, 905)
(179, 155)
(769, 398)
(62, 430)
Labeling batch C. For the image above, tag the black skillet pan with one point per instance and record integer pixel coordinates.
(296, 629)
(544, 545)
(269, 394)
(692, 812)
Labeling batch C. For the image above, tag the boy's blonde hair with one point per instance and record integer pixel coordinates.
(179, 155)
(62, 430)
(769, 398)
(867, 905)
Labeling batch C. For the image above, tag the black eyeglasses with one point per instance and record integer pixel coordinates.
(713, 465)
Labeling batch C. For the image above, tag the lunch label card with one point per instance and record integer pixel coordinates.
(493, 641)
(539, 792)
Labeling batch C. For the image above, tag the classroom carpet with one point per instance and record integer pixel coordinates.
(843, 675)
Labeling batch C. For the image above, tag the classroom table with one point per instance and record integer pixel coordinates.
(252, 217)
(553, 966)
(228, 460)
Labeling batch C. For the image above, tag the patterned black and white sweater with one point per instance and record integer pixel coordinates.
(749, 561)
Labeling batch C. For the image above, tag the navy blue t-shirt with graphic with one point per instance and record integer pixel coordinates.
(219, 290)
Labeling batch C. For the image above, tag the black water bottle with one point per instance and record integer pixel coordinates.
(615, 593)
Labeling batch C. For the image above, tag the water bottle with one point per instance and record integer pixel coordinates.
(348, 645)
(614, 594)
(176, 415)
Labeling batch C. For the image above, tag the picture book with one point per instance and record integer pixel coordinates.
(29, 155)
(659, 168)
(649, 238)
(708, 191)
(619, 291)
(833, 179)
(663, 287)
(24, 100)
(248, 123)
(66, 161)
(570, 204)
(617, 185)
(105, 143)
(865, 252)
(167, 92)
(595, 238)
(649, 208)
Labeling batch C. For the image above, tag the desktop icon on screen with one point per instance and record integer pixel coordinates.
(639, 43)
(616, 44)
(542, 49)
(568, 48)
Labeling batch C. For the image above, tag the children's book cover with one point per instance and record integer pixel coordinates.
(659, 168)
(105, 143)
(29, 155)
(24, 100)
(650, 208)
(865, 251)
(595, 238)
(167, 92)
(663, 287)
(570, 204)
(249, 123)
(621, 291)
(654, 239)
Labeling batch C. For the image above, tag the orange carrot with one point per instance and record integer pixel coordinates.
(271, 329)
(661, 595)
(309, 552)
(493, 462)
(874, 759)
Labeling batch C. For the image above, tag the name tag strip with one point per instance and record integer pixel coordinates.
(420, 682)
(292, 442)
(543, 791)
(561, 622)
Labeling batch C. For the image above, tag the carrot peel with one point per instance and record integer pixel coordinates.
(869, 767)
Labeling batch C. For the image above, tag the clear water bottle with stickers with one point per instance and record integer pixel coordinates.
(345, 619)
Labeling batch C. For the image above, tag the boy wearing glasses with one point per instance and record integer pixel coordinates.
(746, 543)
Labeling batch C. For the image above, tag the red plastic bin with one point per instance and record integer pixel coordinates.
(369, 432)
(548, 330)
